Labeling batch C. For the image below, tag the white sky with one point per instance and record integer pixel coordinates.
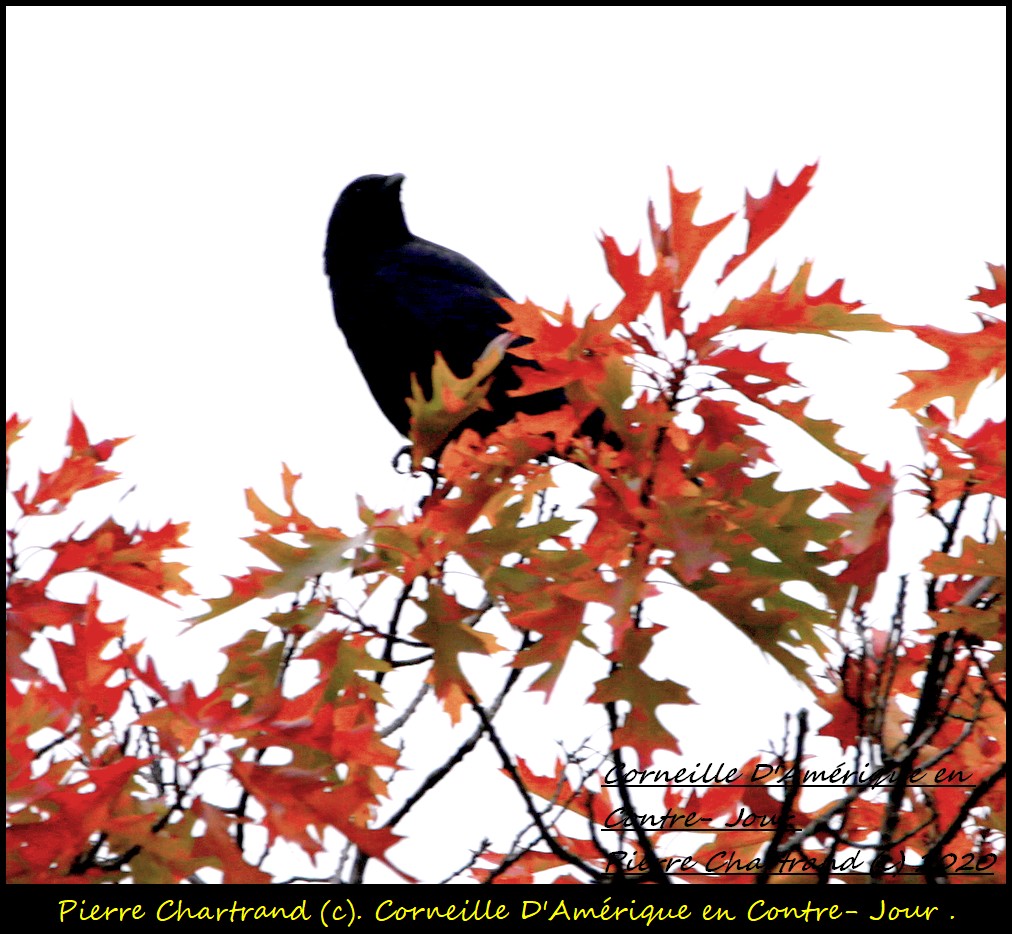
(170, 173)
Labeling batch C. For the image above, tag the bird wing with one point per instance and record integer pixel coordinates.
(398, 306)
(442, 299)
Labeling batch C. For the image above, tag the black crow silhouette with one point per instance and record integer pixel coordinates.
(399, 299)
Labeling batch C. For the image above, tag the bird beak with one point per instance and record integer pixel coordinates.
(393, 181)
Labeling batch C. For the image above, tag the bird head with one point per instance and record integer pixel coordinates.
(367, 217)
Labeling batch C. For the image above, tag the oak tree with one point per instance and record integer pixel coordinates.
(114, 776)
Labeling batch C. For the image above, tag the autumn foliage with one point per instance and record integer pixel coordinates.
(113, 775)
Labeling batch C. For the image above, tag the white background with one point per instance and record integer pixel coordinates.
(170, 174)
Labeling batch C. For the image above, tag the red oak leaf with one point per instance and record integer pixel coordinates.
(973, 358)
(768, 214)
(992, 297)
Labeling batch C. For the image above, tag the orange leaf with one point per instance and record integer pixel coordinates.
(321, 550)
(15, 426)
(767, 215)
(454, 399)
(449, 630)
(131, 558)
(973, 358)
(791, 310)
(865, 546)
(218, 844)
(641, 731)
(679, 247)
(992, 297)
(80, 470)
(558, 789)
(297, 801)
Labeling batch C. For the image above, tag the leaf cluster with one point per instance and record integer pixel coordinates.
(112, 775)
